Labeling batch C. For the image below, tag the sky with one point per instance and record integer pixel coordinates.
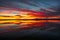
(50, 7)
(30, 4)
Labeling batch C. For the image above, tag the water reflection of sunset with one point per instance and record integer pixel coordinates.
(24, 18)
(25, 23)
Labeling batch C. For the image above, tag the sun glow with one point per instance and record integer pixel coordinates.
(24, 18)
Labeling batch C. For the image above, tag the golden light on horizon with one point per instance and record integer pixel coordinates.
(25, 18)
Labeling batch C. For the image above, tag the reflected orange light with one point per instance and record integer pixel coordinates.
(25, 23)
(24, 18)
